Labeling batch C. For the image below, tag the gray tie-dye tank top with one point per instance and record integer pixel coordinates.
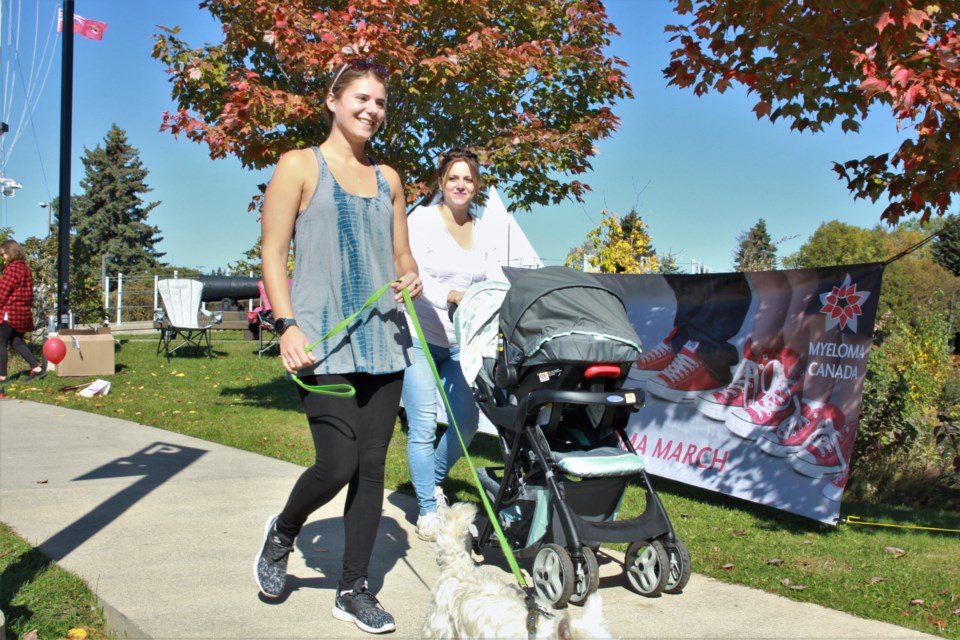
(343, 253)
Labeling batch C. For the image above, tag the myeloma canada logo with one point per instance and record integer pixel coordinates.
(843, 305)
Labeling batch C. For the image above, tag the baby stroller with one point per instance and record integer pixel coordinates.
(547, 357)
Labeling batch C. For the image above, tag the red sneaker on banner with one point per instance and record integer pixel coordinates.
(795, 433)
(833, 490)
(742, 390)
(655, 360)
(684, 378)
(824, 454)
(775, 404)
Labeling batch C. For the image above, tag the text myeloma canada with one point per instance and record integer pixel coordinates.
(837, 370)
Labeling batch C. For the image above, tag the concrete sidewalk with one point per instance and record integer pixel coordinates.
(164, 528)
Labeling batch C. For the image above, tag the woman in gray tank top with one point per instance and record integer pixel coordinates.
(346, 216)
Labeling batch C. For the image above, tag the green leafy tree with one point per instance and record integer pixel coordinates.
(816, 63)
(526, 85)
(249, 263)
(914, 285)
(616, 246)
(838, 243)
(756, 250)
(110, 222)
(946, 246)
(42, 259)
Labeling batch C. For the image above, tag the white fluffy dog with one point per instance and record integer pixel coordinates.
(468, 602)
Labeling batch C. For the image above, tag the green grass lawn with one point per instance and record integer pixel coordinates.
(37, 595)
(905, 576)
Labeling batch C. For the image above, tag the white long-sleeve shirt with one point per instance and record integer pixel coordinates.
(444, 266)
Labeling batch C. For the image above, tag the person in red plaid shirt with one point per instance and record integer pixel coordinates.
(16, 309)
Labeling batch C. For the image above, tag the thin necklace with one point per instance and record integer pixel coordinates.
(344, 163)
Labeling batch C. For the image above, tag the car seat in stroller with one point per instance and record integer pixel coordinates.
(548, 357)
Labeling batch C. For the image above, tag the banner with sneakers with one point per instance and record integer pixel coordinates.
(753, 380)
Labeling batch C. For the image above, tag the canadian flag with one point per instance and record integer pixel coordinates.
(92, 29)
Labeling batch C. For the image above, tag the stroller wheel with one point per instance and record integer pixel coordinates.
(586, 576)
(553, 575)
(679, 559)
(647, 567)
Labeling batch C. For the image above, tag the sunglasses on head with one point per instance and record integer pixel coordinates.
(457, 154)
(361, 64)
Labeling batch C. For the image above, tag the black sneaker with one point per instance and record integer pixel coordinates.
(270, 565)
(361, 607)
(39, 375)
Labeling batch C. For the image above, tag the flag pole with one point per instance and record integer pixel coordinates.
(66, 135)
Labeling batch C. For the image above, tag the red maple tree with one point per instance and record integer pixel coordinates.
(525, 85)
(814, 62)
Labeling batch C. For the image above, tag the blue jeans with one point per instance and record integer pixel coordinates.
(429, 466)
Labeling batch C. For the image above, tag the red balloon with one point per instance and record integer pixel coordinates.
(54, 350)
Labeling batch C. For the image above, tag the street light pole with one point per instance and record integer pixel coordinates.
(66, 133)
(49, 207)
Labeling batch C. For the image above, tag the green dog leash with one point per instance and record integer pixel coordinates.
(507, 552)
(346, 390)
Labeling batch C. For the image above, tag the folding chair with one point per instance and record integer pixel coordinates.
(179, 319)
(266, 331)
(268, 334)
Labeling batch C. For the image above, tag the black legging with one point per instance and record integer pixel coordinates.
(350, 436)
(9, 335)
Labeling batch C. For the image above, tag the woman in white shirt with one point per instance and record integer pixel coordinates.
(446, 248)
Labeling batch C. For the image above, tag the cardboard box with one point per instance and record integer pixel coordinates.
(90, 352)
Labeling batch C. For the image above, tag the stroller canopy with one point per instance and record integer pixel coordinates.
(557, 314)
(476, 326)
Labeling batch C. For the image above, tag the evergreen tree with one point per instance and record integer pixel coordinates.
(756, 252)
(110, 219)
(946, 246)
(668, 265)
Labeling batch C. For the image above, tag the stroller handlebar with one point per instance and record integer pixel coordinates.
(631, 398)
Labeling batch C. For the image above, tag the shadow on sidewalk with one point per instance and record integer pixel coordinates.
(321, 543)
(155, 464)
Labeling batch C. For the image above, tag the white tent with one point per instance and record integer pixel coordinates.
(501, 230)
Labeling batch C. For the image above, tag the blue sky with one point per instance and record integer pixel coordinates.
(700, 171)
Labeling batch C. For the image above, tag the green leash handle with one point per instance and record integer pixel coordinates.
(340, 390)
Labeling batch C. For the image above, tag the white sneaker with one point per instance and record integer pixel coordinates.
(441, 498)
(427, 526)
